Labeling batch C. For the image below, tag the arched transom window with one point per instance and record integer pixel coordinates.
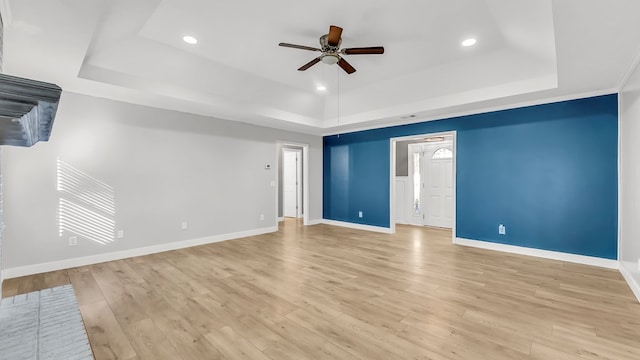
(442, 153)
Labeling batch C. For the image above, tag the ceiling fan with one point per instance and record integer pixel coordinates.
(330, 49)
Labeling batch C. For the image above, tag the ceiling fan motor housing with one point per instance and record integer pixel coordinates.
(326, 48)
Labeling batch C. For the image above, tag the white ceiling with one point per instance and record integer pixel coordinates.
(527, 52)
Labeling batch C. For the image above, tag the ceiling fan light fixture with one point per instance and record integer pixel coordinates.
(330, 59)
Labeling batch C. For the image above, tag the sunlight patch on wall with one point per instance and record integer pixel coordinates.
(86, 205)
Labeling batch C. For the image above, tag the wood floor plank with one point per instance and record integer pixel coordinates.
(85, 286)
(149, 342)
(187, 340)
(342, 336)
(32, 283)
(107, 338)
(323, 292)
(10, 287)
(234, 346)
(56, 278)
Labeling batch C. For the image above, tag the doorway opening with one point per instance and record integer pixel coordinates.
(423, 181)
(292, 182)
(292, 195)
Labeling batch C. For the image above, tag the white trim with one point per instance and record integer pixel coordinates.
(305, 178)
(299, 197)
(619, 159)
(357, 226)
(631, 281)
(392, 186)
(281, 219)
(315, 222)
(305, 184)
(117, 255)
(392, 173)
(626, 273)
(455, 186)
(632, 67)
(5, 10)
(482, 110)
(546, 254)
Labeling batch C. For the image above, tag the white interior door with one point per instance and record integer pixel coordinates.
(291, 183)
(431, 184)
(438, 194)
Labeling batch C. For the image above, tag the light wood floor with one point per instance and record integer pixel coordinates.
(323, 292)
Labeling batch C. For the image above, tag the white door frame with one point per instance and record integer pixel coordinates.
(305, 178)
(392, 175)
(299, 185)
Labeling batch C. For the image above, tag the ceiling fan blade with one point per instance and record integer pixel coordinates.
(364, 50)
(346, 66)
(335, 32)
(309, 64)
(302, 47)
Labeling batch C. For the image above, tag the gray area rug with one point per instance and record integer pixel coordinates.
(43, 324)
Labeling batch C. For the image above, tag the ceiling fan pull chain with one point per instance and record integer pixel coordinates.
(338, 104)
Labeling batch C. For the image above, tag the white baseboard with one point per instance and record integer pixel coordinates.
(281, 219)
(357, 226)
(554, 255)
(314, 222)
(117, 255)
(627, 274)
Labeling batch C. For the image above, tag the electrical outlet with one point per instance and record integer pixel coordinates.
(120, 234)
(502, 230)
(261, 217)
(184, 225)
(360, 214)
(73, 240)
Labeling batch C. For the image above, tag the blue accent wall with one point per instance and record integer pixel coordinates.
(549, 173)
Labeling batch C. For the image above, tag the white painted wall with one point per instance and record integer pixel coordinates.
(165, 167)
(629, 251)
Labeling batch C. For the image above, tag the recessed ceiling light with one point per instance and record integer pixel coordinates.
(321, 87)
(190, 39)
(469, 42)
